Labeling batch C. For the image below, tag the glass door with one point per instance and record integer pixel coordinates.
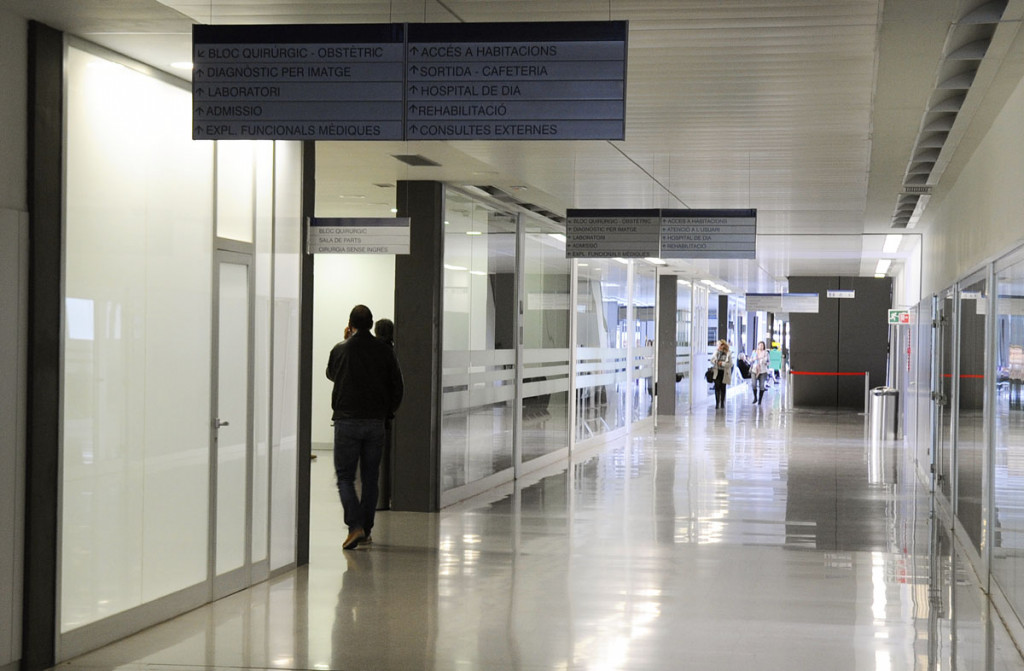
(943, 394)
(231, 476)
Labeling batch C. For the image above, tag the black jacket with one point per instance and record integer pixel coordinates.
(367, 379)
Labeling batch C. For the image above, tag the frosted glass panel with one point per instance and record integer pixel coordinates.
(232, 415)
(546, 313)
(479, 335)
(284, 416)
(261, 359)
(601, 332)
(235, 188)
(137, 348)
(644, 333)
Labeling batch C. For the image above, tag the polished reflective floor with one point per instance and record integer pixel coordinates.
(754, 537)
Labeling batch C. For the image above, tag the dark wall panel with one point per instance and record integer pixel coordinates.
(847, 335)
(863, 336)
(814, 344)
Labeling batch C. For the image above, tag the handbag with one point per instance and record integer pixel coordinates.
(710, 375)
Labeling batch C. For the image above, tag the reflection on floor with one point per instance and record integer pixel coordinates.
(749, 538)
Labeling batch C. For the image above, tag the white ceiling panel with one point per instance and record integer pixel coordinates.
(807, 110)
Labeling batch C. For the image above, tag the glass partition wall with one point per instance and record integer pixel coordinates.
(547, 292)
(179, 377)
(510, 359)
(479, 336)
(970, 424)
(645, 283)
(684, 343)
(602, 297)
(1008, 434)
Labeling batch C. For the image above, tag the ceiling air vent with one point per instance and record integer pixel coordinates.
(991, 12)
(919, 190)
(415, 159)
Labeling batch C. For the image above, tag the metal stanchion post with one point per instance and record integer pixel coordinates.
(867, 392)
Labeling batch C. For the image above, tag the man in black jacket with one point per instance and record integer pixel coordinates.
(367, 390)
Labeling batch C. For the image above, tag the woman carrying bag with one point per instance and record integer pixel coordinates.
(721, 364)
(759, 371)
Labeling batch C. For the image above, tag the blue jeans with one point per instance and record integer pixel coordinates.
(358, 442)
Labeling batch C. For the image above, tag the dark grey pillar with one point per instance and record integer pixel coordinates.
(46, 241)
(418, 281)
(723, 320)
(306, 355)
(668, 290)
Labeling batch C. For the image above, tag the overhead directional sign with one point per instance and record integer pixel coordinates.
(298, 82)
(451, 81)
(764, 302)
(708, 234)
(358, 235)
(516, 81)
(611, 233)
(668, 234)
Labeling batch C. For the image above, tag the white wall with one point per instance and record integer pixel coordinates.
(13, 328)
(340, 282)
(982, 214)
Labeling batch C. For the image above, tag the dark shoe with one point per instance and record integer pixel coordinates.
(355, 537)
(366, 540)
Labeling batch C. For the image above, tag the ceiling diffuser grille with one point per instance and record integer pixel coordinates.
(965, 49)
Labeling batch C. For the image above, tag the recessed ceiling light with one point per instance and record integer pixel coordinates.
(892, 244)
(883, 267)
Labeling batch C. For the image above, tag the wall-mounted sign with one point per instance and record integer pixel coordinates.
(899, 316)
(466, 81)
(388, 235)
(708, 234)
(668, 234)
(842, 293)
(612, 233)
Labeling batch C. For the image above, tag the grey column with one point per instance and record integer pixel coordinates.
(418, 281)
(668, 289)
(306, 356)
(42, 468)
(723, 320)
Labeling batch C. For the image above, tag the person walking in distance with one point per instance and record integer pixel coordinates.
(368, 388)
(722, 364)
(759, 371)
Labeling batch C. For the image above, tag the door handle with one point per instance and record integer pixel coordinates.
(217, 423)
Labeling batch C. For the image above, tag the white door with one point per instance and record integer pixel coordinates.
(231, 480)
